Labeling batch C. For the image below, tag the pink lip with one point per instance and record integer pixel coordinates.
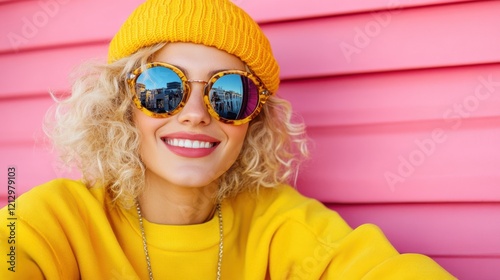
(190, 136)
(189, 152)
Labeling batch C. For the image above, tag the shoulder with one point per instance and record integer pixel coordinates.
(286, 200)
(56, 186)
(61, 188)
(57, 196)
(52, 224)
(53, 210)
(285, 209)
(319, 243)
(291, 230)
(279, 198)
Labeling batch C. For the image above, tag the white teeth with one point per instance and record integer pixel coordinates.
(192, 144)
(196, 144)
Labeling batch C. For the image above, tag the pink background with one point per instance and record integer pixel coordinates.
(401, 97)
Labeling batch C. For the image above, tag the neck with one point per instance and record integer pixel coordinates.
(178, 205)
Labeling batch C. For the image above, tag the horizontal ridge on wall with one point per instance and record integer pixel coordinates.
(405, 222)
(338, 45)
(30, 24)
(265, 11)
(402, 45)
(412, 165)
(440, 95)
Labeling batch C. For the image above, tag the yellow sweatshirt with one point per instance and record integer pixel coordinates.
(63, 230)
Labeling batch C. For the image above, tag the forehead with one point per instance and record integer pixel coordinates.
(195, 58)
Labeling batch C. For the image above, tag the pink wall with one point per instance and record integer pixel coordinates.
(403, 106)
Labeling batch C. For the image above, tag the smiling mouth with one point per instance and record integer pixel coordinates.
(190, 144)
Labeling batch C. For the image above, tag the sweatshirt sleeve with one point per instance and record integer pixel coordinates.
(366, 254)
(311, 242)
(39, 247)
(25, 249)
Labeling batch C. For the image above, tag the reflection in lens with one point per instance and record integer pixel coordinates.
(159, 89)
(233, 97)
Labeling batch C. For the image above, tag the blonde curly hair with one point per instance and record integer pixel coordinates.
(93, 129)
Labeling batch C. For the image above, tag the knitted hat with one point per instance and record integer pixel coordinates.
(216, 23)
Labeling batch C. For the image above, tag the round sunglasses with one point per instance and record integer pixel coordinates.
(232, 96)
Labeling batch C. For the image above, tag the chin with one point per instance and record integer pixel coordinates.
(192, 181)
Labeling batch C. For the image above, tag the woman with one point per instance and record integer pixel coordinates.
(176, 186)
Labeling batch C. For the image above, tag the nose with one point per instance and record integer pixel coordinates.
(195, 112)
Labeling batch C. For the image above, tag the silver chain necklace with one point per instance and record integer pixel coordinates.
(221, 241)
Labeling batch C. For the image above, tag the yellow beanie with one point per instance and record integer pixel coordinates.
(216, 23)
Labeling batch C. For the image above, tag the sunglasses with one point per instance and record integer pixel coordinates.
(232, 96)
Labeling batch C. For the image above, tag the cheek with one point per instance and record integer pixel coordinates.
(147, 127)
(236, 136)
(140, 123)
(145, 124)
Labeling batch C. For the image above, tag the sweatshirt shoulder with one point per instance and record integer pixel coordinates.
(284, 205)
(284, 195)
(57, 188)
(57, 194)
(286, 199)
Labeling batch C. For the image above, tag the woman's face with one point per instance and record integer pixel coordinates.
(191, 148)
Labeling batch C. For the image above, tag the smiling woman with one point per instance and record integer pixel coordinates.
(186, 152)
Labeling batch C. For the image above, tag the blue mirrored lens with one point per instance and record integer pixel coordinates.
(159, 89)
